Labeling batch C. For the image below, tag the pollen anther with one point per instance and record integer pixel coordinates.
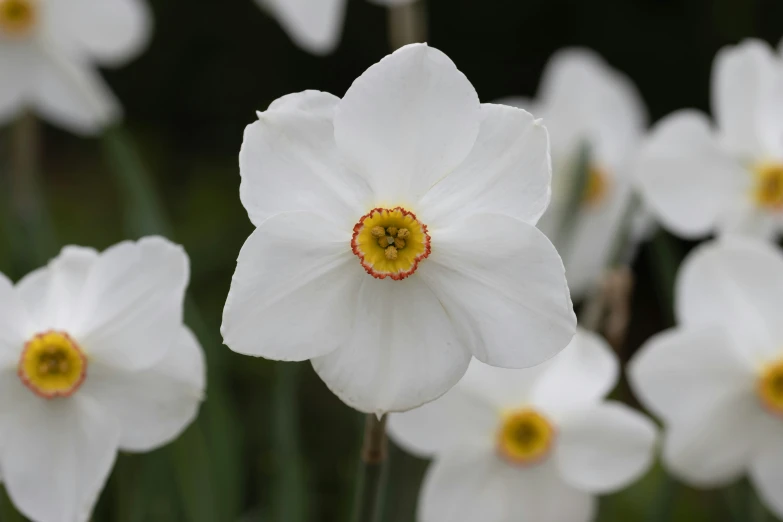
(52, 365)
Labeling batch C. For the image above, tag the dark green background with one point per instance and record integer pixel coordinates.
(210, 66)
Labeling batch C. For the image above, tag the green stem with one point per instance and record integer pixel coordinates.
(665, 259)
(290, 496)
(33, 234)
(663, 506)
(373, 458)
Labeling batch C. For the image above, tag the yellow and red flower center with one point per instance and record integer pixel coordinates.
(596, 186)
(52, 365)
(17, 17)
(390, 242)
(768, 187)
(770, 388)
(525, 437)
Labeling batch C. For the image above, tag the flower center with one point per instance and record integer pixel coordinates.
(52, 365)
(596, 186)
(525, 437)
(390, 242)
(17, 17)
(768, 189)
(770, 388)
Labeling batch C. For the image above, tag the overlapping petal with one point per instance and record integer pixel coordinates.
(109, 32)
(293, 295)
(507, 299)
(402, 351)
(14, 324)
(578, 377)
(152, 406)
(289, 162)
(679, 165)
(747, 99)
(55, 454)
(766, 472)
(604, 448)
(407, 122)
(314, 26)
(130, 309)
(737, 284)
(507, 172)
(15, 59)
(457, 419)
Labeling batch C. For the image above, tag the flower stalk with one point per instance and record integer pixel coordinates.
(373, 458)
(407, 24)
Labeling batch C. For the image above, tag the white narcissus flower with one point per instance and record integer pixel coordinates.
(94, 357)
(532, 445)
(586, 103)
(700, 178)
(49, 50)
(716, 380)
(396, 236)
(314, 25)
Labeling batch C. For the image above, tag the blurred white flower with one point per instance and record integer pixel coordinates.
(530, 445)
(699, 178)
(586, 103)
(716, 380)
(314, 25)
(49, 50)
(93, 357)
(396, 236)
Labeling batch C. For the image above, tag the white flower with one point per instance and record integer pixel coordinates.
(716, 380)
(396, 236)
(699, 178)
(49, 50)
(586, 103)
(93, 357)
(314, 25)
(530, 445)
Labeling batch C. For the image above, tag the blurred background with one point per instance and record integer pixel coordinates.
(271, 443)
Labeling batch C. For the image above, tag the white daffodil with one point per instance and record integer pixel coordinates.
(716, 380)
(94, 358)
(727, 178)
(530, 445)
(314, 25)
(49, 50)
(587, 104)
(396, 236)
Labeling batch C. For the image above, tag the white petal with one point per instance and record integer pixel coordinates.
(746, 99)
(402, 350)
(579, 376)
(458, 418)
(504, 288)
(507, 172)
(714, 447)
(502, 388)
(587, 252)
(407, 122)
(110, 32)
(736, 284)
(466, 486)
(289, 162)
(766, 473)
(680, 162)
(56, 454)
(520, 102)
(49, 293)
(313, 26)
(16, 81)
(293, 295)
(155, 405)
(746, 219)
(681, 373)
(70, 93)
(605, 448)
(14, 324)
(582, 99)
(130, 309)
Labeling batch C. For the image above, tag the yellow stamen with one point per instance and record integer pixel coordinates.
(770, 388)
(378, 232)
(403, 233)
(391, 253)
(768, 187)
(52, 365)
(17, 17)
(525, 437)
(399, 243)
(392, 231)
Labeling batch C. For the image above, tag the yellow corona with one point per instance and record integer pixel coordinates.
(52, 365)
